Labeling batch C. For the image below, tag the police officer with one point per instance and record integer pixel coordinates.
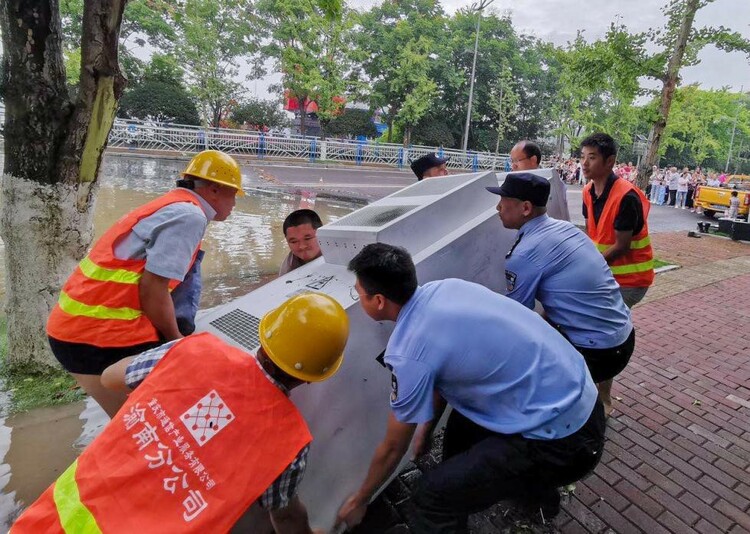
(430, 166)
(525, 416)
(554, 262)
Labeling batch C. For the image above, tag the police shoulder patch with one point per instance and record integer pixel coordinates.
(510, 280)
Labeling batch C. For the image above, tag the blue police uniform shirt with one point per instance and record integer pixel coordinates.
(499, 364)
(556, 263)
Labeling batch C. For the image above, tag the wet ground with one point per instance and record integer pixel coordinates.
(241, 253)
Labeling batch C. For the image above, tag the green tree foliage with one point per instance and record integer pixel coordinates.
(160, 95)
(214, 38)
(144, 22)
(259, 114)
(514, 66)
(433, 132)
(596, 90)
(159, 101)
(677, 45)
(352, 123)
(401, 45)
(309, 42)
(700, 126)
(164, 68)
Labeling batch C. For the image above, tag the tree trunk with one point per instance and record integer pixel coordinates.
(407, 136)
(216, 115)
(667, 93)
(302, 116)
(391, 117)
(53, 150)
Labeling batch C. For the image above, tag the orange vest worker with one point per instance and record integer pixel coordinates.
(194, 446)
(636, 267)
(99, 304)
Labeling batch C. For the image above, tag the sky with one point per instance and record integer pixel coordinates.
(559, 20)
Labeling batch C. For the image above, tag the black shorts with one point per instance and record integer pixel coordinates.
(608, 363)
(84, 359)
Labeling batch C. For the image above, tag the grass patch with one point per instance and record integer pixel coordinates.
(661, 263)
(30, 388)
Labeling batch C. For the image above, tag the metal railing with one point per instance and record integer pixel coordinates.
(145, 136)
(189, 139)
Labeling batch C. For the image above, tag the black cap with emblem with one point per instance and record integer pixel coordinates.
(524, 186)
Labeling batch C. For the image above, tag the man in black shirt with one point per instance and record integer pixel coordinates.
(616, 213)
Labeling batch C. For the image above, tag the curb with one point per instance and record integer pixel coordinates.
(666, 268)
(725, 238)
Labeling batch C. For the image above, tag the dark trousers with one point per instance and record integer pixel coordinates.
(604, 364)
(481, 468)
(672, 196)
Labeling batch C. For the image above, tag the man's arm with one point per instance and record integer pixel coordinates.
(621, 246)
(157, 305)
(628, 222)
(522, 279)
(423, 439)
(292, 519)
(387, 457)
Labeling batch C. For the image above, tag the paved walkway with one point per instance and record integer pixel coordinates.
(677, 457)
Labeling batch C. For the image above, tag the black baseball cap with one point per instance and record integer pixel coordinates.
(425, 163)
(524, 186)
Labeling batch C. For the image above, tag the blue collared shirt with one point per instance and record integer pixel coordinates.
(554, 262)
(499, 364)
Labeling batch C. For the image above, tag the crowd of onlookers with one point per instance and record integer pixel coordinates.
(668, 186)
(677, 188)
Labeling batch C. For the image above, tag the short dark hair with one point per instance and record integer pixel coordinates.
(531, 149)
(387, 270)
(604, 143)
(299, 217)
(735, 193)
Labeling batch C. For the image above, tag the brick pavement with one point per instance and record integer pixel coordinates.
(677, 457)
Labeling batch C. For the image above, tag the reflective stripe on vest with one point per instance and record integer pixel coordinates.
(121, 276)
(100, 304)
(167, 462)
(634, 245)
(75, 518)
(635, 267)
(631, 268)
(73, 307)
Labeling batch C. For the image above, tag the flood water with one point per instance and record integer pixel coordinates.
(241, 253)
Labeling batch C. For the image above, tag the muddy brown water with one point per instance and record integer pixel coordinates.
(241, 253)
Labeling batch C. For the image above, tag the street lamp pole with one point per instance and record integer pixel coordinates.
(478, 8)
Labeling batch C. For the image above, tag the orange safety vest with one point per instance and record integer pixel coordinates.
(99, 304)
(192, 448)
(635, 268)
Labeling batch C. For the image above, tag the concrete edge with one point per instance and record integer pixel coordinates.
(726, 238)
(667, 268)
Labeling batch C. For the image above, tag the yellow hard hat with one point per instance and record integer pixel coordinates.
(305, 336)
(216, 166)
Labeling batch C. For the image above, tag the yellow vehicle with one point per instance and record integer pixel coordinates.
(713, 200)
